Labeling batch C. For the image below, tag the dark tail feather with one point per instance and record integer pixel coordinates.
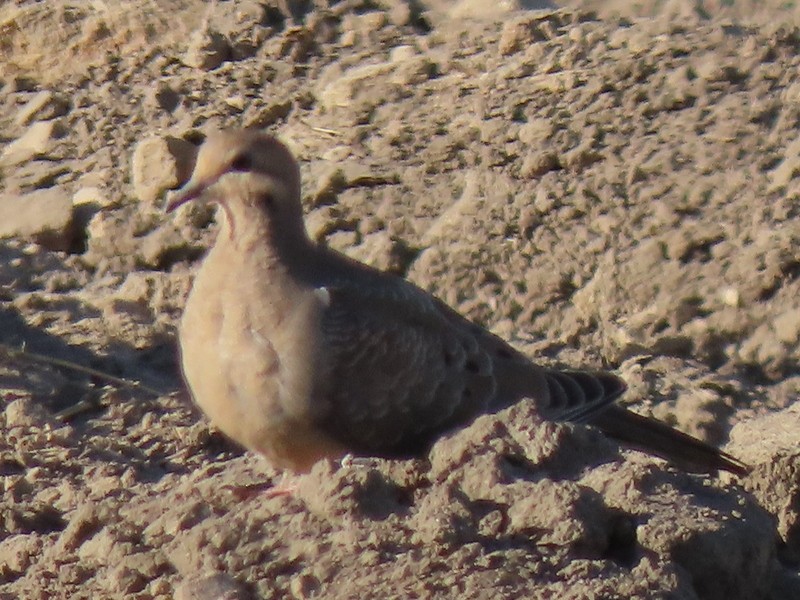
(655, 437)
(579, 395)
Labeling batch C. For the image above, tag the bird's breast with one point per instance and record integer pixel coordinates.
(250, 350)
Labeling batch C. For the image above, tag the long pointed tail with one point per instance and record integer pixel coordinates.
(588, 397)
(655, 437)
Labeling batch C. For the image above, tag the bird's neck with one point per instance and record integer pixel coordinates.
(269, 242)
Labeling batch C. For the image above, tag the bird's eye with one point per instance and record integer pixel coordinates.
(241, 162)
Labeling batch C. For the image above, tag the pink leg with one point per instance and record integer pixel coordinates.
(287, 486)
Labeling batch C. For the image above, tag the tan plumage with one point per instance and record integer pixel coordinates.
(299, 353)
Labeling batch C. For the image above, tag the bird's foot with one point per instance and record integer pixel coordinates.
(349, 461)
(287, 486)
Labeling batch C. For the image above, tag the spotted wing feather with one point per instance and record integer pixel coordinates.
(398, 374)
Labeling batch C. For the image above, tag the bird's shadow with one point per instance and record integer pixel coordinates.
(30, 354)
(154, 367)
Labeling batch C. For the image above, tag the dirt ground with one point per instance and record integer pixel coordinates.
(605, 184)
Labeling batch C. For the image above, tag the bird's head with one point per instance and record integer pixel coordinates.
(244, 170)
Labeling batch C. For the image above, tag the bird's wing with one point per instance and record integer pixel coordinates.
(397, 373)
(560, 395)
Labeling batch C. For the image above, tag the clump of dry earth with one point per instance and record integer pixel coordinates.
(610, 189)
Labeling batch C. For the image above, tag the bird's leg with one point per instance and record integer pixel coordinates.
(285, 486)
(351, 461)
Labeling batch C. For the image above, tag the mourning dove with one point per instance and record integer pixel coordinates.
(300, 353)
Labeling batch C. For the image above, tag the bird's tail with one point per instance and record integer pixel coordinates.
(655, 437)
(588, 397)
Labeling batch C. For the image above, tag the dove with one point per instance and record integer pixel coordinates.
(299, 353)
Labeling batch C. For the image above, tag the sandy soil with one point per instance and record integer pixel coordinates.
(605, 186)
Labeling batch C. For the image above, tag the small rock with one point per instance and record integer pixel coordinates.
(330, 183)
(787, 326)
(295, 9)
(710, 68)
(459, 217)
(86, 202)
(730, 297)
(545, 202)
(297, 44)
(402, 14)
(97, 547)
(237, 102)
(21, 83)
(791, 95)
(537, 163)
(207, 50)
(19, 552)
(91, 195)
(34, 142)
(519, 34)
(402, 53)
(124, 580)
(337, 153)
(770, 444)
(42, 107)
(160, 163)
(370, 224)
(535, 132)
(87, 520)
(529, 220)
(788, 168)
(348, 39)
(342, 240)
(763, 348)
(25, 412)
(413, 71)
(480, 9)
(109, 234)
(323, 221)
(304, 586)
(163, 247)
(384, 252)
(344, 89)
(37, 175)
(574, 515)
(261, 117)
(165, 97)
(42, 216)
(212, 587)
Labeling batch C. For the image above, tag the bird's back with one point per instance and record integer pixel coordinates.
(401, 367)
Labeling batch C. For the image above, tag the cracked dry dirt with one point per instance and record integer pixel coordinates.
(611, 189)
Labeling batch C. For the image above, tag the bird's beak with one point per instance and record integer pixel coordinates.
(191, 191)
